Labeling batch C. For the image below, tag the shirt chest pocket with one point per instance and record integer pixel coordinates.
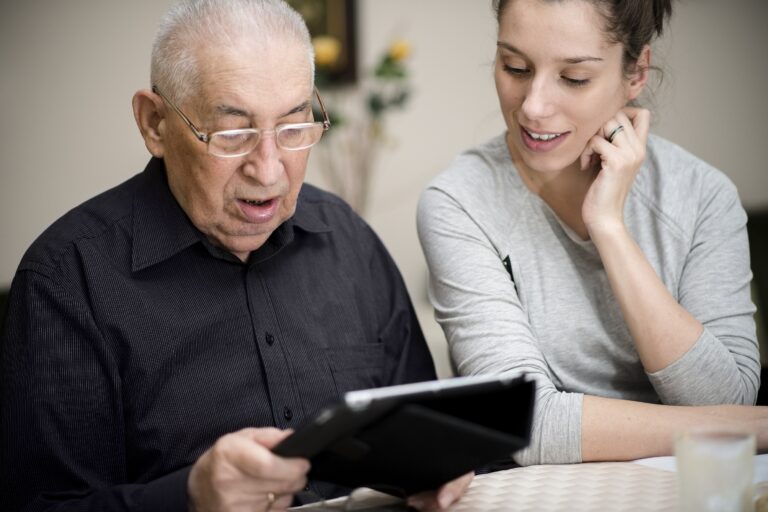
(357, 366)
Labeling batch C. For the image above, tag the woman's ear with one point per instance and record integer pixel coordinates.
(150, 117)
(640, 75)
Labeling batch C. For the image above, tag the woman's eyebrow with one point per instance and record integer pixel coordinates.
(586, 58)
(509, 47)
(568, 60)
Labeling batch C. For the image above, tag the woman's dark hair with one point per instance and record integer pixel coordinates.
(633, 23)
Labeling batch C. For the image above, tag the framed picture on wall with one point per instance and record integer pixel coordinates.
(332, 25)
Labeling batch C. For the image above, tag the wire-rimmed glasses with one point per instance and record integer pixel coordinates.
(234, 143)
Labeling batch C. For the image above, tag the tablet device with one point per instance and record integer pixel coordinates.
(415, 437)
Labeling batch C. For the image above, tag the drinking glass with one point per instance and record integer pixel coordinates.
(715, 470)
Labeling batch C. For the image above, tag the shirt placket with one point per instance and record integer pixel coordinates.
(278, 376)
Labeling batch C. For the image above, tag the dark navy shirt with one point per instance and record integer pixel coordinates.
(132, 343)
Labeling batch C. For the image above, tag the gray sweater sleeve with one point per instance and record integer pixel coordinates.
(478, 308)
(723, 367)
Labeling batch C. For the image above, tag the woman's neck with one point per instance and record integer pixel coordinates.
(562, 190)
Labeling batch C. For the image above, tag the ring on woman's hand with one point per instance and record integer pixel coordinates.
(270, 500)
(614, 133)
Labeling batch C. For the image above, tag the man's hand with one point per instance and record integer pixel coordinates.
(240, 472)
(444, 497)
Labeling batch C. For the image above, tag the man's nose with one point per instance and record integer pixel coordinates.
(263, 163)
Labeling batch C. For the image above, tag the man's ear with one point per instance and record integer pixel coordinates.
(640, 75)
(150, 117)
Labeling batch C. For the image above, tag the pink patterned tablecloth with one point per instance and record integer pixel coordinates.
(603, 487)
(587, 487)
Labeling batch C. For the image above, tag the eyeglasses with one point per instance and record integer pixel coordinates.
(234, 143)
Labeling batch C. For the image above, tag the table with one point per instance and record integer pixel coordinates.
(648, 485)
(604, 486)
(600, 486)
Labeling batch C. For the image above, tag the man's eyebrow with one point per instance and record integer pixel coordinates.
(301, 107)
(568, 60)
(229, 110)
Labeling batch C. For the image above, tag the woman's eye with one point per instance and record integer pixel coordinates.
(516, 71)
(576, 82)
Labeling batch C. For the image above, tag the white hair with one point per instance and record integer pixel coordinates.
(191, 25)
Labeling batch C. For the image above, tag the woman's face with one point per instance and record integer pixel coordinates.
(558, 78)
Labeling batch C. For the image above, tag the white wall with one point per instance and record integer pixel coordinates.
(69, 70)
(713, 101)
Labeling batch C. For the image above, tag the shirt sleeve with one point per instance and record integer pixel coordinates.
(486, 327)
(723, 366)
(62, 445)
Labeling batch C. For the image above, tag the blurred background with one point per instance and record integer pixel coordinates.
(69, 70)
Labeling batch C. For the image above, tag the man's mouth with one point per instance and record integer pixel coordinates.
(253, 202)
(259, 211)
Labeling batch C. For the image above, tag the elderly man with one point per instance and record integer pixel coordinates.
(164, 335)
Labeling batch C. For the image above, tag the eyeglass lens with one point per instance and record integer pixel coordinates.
(291, 137)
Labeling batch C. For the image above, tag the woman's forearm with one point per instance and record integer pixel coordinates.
(662, 329)
(613, 429)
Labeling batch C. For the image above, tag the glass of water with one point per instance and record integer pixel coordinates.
(715, 470)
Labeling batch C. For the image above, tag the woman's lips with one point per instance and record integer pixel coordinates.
(258, 211)
(541, 141)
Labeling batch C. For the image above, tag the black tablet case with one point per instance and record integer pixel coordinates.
(416, 444)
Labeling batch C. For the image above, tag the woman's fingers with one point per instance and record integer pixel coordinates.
(627, 129)
(620, 144)
(586, 156)
(641, 121)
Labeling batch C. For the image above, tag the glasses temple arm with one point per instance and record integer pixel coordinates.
(326, 121)
(200, 135)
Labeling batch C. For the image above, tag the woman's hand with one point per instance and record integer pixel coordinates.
(620, 159)
(444, 497)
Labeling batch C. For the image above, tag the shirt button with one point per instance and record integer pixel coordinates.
(287, 413)
(270, 339)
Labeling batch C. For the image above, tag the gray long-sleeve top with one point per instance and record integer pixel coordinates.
(515, 289)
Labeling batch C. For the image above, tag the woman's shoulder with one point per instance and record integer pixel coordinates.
(480, 183)
(673, 178)
(483, 168)
(680, 170)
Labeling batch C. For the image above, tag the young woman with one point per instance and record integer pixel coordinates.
(609, 264)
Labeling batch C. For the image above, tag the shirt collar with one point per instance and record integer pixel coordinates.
(308, 216)
(161, 228)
